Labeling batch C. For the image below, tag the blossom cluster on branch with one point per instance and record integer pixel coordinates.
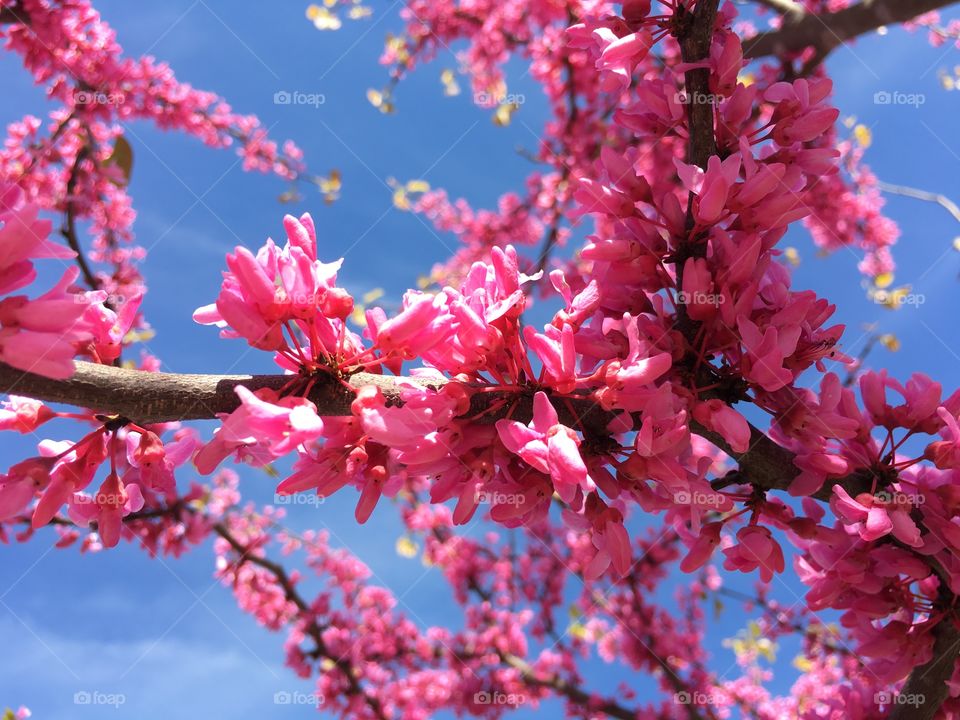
(676, 324)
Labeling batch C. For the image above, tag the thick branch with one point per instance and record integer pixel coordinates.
(695, 47)
(828, 30)
(927, 683)
(147, 398)
(13, 15)
(784, 7)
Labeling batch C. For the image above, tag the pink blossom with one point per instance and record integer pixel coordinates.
(547, 446)
(755, 549)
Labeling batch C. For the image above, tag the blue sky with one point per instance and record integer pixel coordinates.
(162, 632)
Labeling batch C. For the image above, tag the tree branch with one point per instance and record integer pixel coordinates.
(148, 398)
(784, 7)
(13, 14)
(695, 47)
(928, 683)
(69, 228)
(942, 200)
(826, 31)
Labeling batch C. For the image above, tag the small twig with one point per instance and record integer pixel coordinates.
(69, 228)
(942, 200)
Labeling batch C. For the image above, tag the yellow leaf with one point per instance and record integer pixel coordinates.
(802, 663)
(406, 547)
(418, 186)
(397, 44)
(450, 85)
(400, 199)
(380, 100)
(890, 341)
(122, 157)
(358, 317)
(956, 244)
(323, 19)
(863, 135)
(135, 336)
(372, 296)
(359, 12)
(792, 256)
(894, 298)
(503, 114)
(578, 631)
(883, 280)
(331, 183)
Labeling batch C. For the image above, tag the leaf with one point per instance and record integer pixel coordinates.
(890, 341)
(503, 113)
(289, 196)
(450, 85)
(380, 99)
(578, 631)
(863, 135)
(322, 18)
(122, 157)
(406, 547)
(372, 296)
(883, 280)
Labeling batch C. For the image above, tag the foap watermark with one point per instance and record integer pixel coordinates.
(299, 499)
(697, 98)
(700, 698)
(701, 298)
(488, 99)
(298, 97)
(889, 699)
(94, 298)
(700, 499)
(96, 697)
(898, 299)
(498, 498)
(296, 697)
(900, 499)
(100, 498)
(896, 97)
(97, 97)
(499, 698)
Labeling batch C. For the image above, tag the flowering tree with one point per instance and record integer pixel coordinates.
(686, 139)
